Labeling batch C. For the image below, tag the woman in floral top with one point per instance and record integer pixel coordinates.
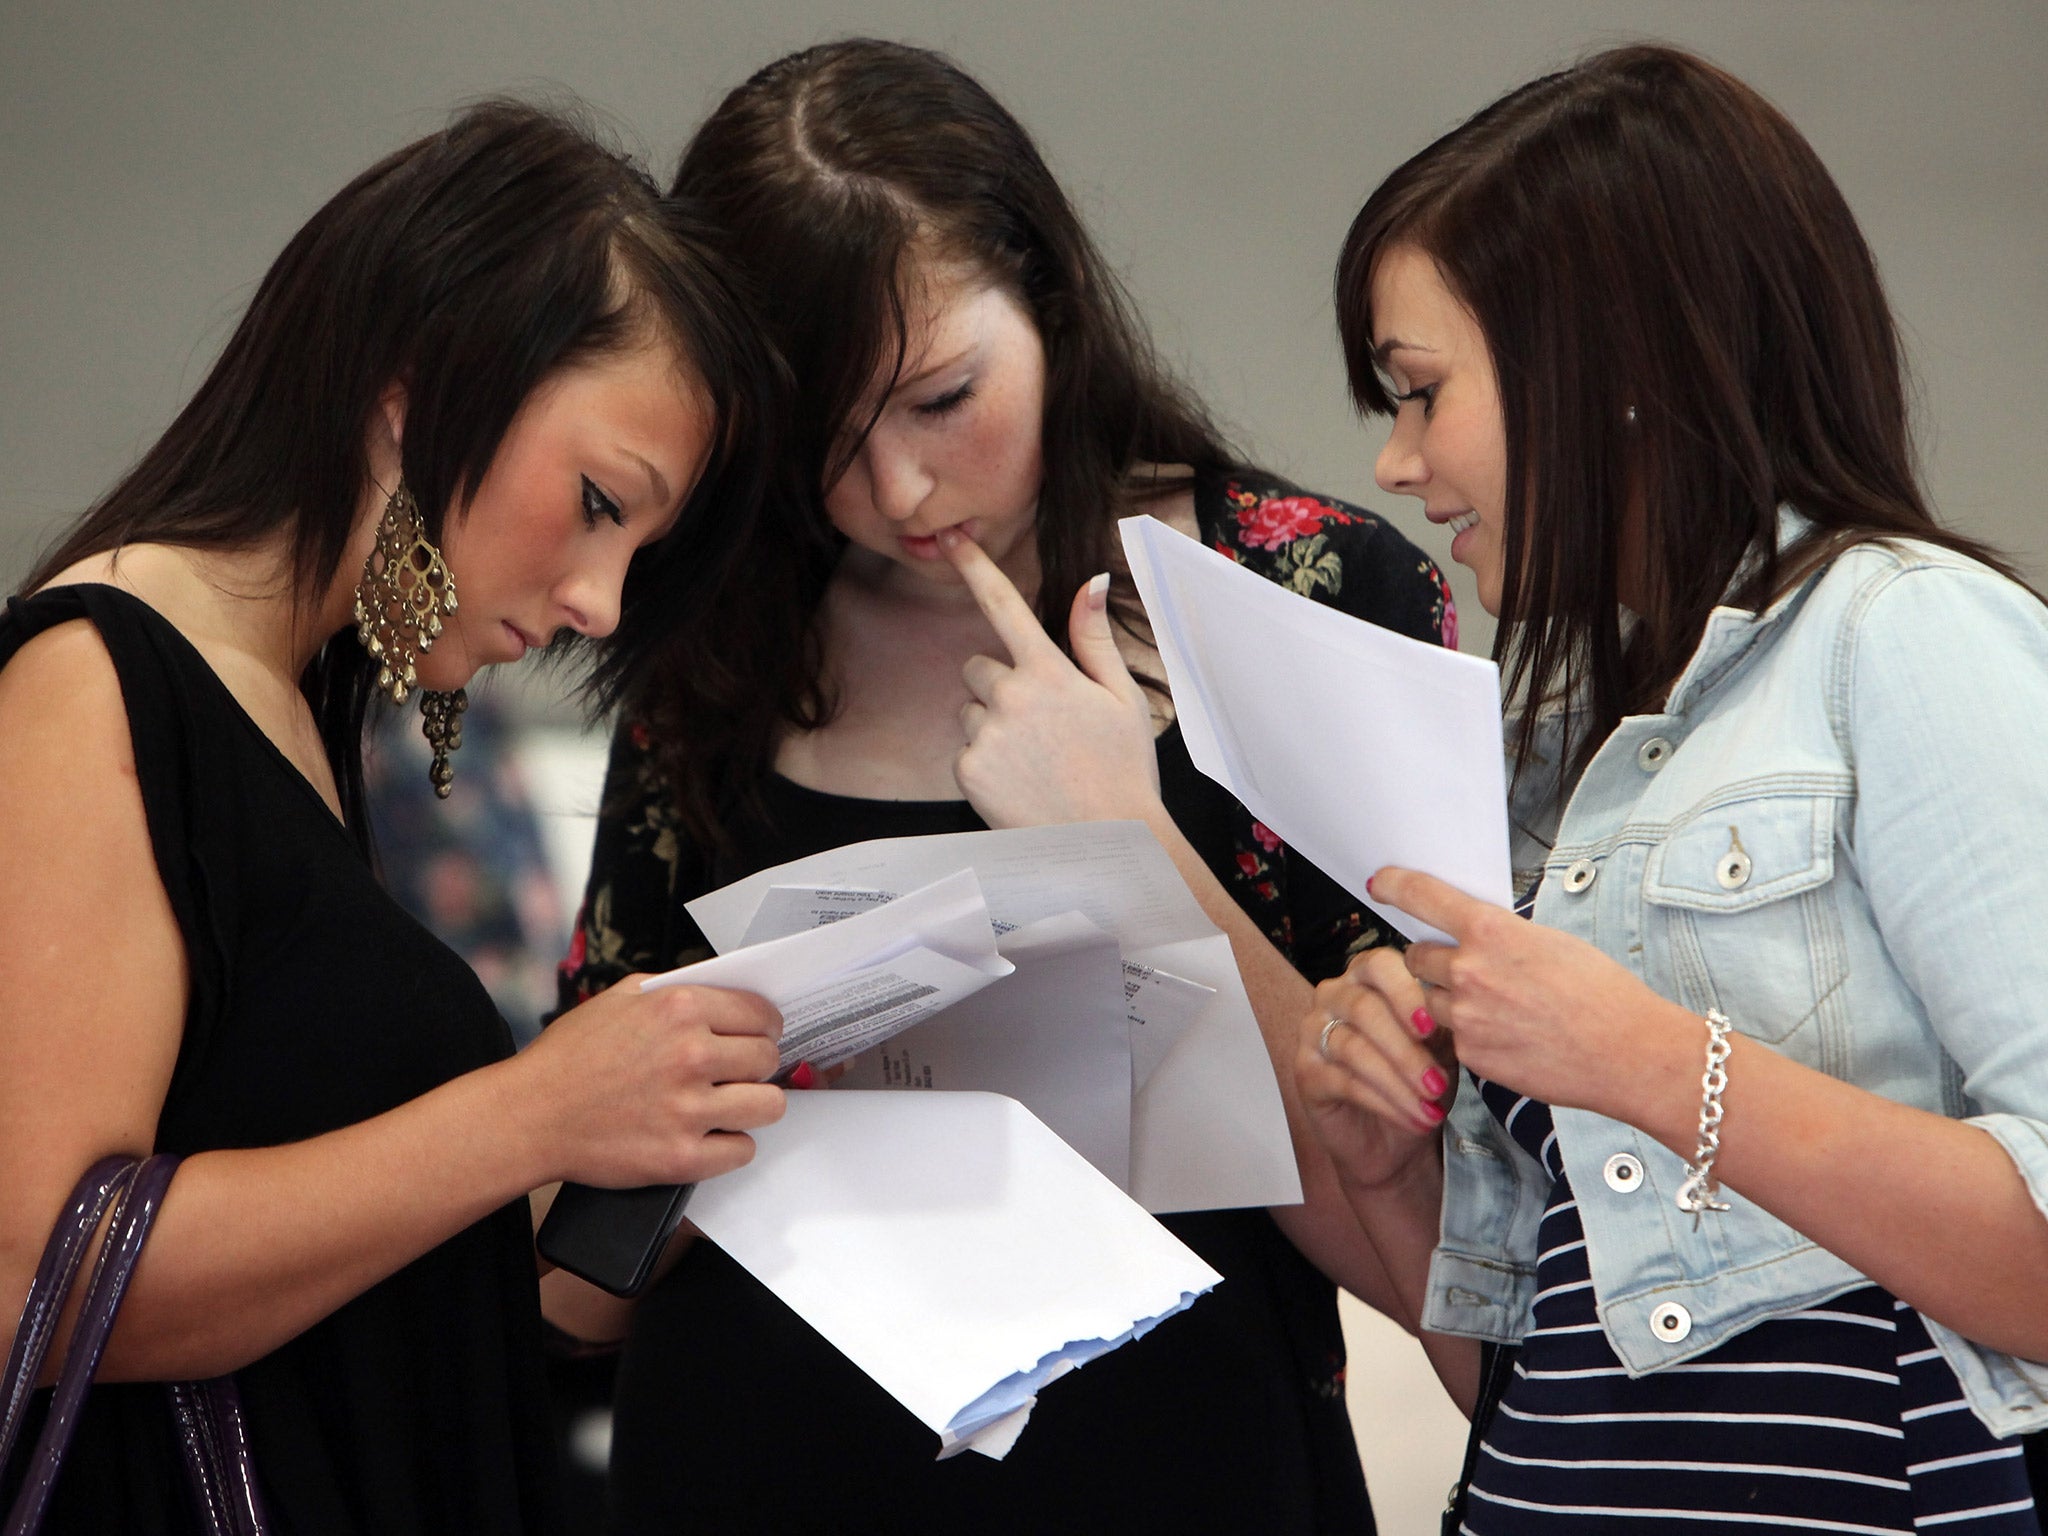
(973, 411)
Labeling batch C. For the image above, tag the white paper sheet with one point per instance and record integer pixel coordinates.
(1359, 747)
(950, 1246)
(1208, 1130)
(1158, 1008)
(846, 988)
(1054, 1037)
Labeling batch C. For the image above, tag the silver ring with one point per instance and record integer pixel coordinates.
(1323, 1040)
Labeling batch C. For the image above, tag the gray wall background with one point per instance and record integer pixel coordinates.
(154, 156)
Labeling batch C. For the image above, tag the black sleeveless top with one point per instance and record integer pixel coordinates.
(316, 1002)
(732, 1414)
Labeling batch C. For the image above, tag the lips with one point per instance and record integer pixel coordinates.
(925, 546)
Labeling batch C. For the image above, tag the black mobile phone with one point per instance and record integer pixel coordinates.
(612, 1237)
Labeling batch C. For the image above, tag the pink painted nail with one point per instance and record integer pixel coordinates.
(803, 1075)
(1421, 1023)
(1434, 1083)
(1433, 1114)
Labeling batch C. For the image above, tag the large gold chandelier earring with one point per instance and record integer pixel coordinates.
(399, 602)
(404, 591)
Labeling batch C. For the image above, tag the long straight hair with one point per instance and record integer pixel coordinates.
(830, 175)
(1687, 326)
(468, 267)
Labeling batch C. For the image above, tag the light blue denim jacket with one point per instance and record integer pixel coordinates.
(1837, 834)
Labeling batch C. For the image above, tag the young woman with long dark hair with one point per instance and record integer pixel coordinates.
(1746, 1181)
(484, 395)
(975, 409)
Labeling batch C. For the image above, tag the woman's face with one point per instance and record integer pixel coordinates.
(958, 441)
(1448, 446)
(595, 466)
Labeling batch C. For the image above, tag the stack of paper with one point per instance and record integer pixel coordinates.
(1174, 1050)
(1359, 747)
(868, 978)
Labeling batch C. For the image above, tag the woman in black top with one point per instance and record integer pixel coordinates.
(974, 410)
(493, 368)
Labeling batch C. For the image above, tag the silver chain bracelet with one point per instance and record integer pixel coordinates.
(1697, 1193)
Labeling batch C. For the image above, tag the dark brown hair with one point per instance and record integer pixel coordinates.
(469, 267)
(829, 174)
(1684, 319)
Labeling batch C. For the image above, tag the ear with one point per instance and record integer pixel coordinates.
(391, 406)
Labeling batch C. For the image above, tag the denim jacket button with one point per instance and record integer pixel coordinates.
(1671, 1322)
(1733, 870)
(1579, 875)
(1623, 1173)
(1653, 754)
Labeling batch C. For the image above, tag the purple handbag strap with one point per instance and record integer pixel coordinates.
(75, 1226)
(207, 1415)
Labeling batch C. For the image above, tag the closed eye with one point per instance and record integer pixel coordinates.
(947, 403)
(597, 505)
(1426, 393)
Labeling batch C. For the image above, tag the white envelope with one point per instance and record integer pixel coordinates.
(951, 1246)
(1359, 747)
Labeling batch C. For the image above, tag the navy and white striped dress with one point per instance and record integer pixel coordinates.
(1844, 1418)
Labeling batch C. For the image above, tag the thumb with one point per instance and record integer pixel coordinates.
(1094, 644)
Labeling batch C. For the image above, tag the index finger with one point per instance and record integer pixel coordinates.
(729, 1012)
(1013, 620)
(1442, 905)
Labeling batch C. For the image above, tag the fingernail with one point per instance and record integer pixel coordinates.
(1433, 1113)
(1434, 1083)
(1098, 592)
(1368, 886)
(1422, 1023)
(803, 1075)
(948, 537)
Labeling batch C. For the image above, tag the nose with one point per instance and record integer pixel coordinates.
(1400, 469)
(897, 479)
(590, 599)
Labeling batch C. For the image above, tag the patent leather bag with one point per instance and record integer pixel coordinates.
(206, 1415)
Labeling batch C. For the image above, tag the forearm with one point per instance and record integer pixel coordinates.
(253, 1247)
(1856, 1173)
(1400, 1220)
(1322, 1227)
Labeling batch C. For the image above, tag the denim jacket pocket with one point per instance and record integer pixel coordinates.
(1741, 909)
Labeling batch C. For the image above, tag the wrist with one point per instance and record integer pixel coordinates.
(515, 1100)
(1656, 1084)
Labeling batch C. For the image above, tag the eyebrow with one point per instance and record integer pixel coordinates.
(654, 477)
(939, 367)
(1394, 344)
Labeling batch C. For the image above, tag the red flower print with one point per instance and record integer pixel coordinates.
(1266, 838)
(1449, 627)
(1248, 864)
(1283, 519)
(578, 948)
(639, 735)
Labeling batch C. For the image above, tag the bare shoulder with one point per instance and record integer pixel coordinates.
(60, 689)
(92, 963)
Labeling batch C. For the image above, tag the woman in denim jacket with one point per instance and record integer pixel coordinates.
(1782, 816)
